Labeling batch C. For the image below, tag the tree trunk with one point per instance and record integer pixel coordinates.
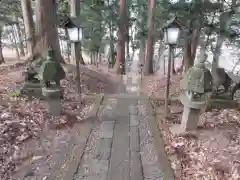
(47, 34)
(14, 41)
(190, 48)
(61, 46)
(75, 48)
(217, 53)
(96, 58)
(191, 44)
(224, 17)
(148, 66)
(142, 48)
(1, 53)
(91, 58)
(164, 65)
(99, 57)
(111, 59)
(68, 45)
(142, 51)
(160, 60)
(188, 61)
(202, 51)
(127, 38)
(28, 25)
(19, 38)
(112, 52)
(120, 61)
(132, 43)
(128, 50)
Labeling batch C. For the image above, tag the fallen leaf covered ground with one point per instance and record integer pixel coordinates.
(156, 86)
(212, 152)
(22, 121)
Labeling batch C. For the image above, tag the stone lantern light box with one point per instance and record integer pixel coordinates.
(172, 31)
(74, 28)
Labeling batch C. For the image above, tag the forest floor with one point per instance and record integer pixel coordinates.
(22, 122)
(212, 152)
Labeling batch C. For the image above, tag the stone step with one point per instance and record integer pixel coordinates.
(119, 166)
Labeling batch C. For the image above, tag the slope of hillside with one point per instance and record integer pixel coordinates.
(22, 121)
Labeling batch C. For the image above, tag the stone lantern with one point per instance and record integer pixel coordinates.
(75, 31)
(51, 73)
(195, 85)
(171, 37)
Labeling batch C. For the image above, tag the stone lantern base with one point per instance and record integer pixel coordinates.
(190, 116)
(33, 89)
(189, 122)
(55, 107)
(53, 92)
(53, 97)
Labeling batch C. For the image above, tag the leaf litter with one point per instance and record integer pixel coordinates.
(22, 121)
(212, 152)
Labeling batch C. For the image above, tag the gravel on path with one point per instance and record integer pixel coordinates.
(94, 165)
(151, 167)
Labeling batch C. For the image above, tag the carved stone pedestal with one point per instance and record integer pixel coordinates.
(190, 116)
(55, 106)
(32, 89)
(53, 97)
(189, 121)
